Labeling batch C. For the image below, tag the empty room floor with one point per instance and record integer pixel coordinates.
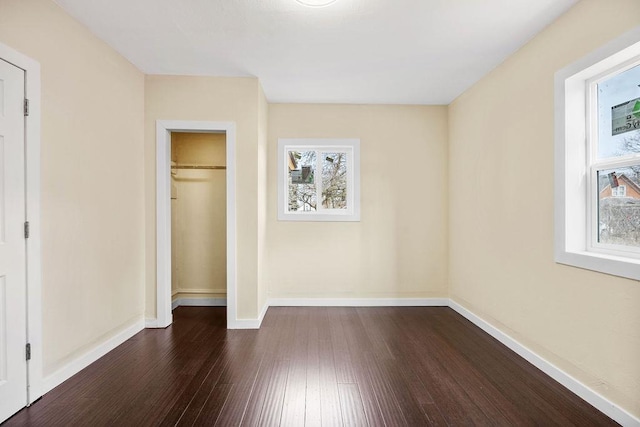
(392, 366)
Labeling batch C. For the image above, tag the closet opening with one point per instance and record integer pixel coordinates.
(197, 287)
(198, 219)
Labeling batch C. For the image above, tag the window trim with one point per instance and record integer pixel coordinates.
(572, 229)
(349, 145)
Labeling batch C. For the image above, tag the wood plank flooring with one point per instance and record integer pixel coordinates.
(388, 366)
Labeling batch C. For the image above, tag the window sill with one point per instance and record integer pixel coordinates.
(603, 263)
(311, 217)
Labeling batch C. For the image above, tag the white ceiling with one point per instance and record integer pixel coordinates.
(353, 51)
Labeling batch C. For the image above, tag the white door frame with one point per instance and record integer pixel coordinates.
(34, 270)
(163, 213)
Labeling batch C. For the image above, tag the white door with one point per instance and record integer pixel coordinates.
(13, 285)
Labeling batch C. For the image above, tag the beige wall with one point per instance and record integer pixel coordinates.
(399, 248)
(92, 181)
(501, 214)
(199, 217)
(209, 99)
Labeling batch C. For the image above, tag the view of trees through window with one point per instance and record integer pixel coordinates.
(306, 188)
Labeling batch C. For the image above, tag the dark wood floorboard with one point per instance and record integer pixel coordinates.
(316, 366)
(313, 411)
(351, 405)
(293, 408)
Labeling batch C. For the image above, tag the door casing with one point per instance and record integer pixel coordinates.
(32, 182)
(163, 215)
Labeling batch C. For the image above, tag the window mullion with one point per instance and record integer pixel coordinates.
(318, 181)
(350, 181)
(591, 140)
(616, 163)
(594, 223)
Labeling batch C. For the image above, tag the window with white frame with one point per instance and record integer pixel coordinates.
(613, 154)
(318, 179)
(597, 203)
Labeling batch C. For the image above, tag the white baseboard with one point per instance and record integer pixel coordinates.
(599, 402)
(153, 323)
(79, 363)
(249, 323)
(263, 312)
(358, 302)
(245, 324)
(199, 302)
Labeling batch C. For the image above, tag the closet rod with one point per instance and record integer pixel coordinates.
(197, 167)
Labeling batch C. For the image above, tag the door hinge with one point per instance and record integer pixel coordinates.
(26, 229)
(28, 351)
(26, 107)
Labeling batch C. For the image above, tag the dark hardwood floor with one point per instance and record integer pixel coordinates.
(310, 367)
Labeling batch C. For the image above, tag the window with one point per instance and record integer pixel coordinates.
(597, 183)
(318, 179)
(613, 157)
(619, 191)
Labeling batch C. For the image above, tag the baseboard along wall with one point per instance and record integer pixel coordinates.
(88, 357)
(358, 302)
(587, 394)
(198, 302)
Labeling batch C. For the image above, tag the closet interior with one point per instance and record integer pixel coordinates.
(198, 219)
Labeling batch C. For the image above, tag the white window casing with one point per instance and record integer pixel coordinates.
(576, 187)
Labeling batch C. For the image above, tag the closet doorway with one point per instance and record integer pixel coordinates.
(193, 170)
(198, 219)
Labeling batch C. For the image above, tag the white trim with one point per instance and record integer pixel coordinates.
(34, 258)
(152, 323)
(199, 302)
(245, 324)
(163, 212)
(250, 323)
(90, 356)
(263, 312)
(599, 402)
(570, 193)
(358, 302)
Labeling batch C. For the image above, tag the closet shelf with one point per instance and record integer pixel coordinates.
(197, 167)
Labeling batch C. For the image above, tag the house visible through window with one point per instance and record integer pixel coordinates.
(318, 180)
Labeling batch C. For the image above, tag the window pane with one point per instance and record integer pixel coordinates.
(619, 206)
(619, 114)
(302, 187)
(334, 180)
